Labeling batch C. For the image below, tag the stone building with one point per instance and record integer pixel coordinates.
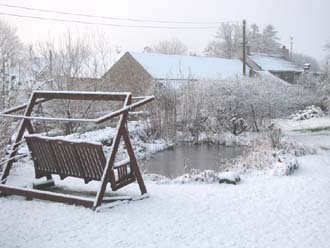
(140, 72)
(279, 65)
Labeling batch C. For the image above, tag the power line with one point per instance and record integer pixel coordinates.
(106, 24)
(111, 18)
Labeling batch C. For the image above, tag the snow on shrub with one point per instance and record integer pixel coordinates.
(264, 156)
(285, 165)
(325, 103)
(198, 176)
(308, 113)
(296, 149)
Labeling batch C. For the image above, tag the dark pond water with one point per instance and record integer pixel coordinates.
(184, 157)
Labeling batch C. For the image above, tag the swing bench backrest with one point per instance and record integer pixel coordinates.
(83, 160)
(65, 158)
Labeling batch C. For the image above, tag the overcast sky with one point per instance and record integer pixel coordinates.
(307, 21)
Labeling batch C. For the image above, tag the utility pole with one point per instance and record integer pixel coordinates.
(291, 47)
(3, 75)
(244, 47)
(50, 64)
(51, 68)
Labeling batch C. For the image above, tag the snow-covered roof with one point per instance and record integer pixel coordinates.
(161, 66)
(274, 63)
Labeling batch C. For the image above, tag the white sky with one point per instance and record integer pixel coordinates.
(307, 21)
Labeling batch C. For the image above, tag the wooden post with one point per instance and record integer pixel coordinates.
(111, 160)
(133, 161)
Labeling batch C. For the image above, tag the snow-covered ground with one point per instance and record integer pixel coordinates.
(292, 125)
(262, 211)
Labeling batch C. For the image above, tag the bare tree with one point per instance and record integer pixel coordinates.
(101, 56)
(227, 41)
(173, 46)
(69, 66)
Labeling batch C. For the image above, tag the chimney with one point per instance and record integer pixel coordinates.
(307, 67)
(285, 53)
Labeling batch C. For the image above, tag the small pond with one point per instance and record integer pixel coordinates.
(184, 157)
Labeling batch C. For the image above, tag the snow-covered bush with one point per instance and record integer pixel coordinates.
(320, 86)
(264, 156)
(325, 103)
(309, 81)
(295, 149)
(237, 105)
(285, 165)
(275, 135)
(260, 156)
(308, 113)
(194, 107)
(198, 176)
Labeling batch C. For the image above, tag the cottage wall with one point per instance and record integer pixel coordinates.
(288, 76)
(128, 75)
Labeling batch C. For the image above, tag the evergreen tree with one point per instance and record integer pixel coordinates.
(228, 41)
(269, 40)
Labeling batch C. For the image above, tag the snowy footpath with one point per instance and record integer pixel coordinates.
(263, 211)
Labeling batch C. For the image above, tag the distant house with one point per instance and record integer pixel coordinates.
(137, 72)
(278, 65)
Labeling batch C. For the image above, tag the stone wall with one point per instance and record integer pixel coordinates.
(128, 75)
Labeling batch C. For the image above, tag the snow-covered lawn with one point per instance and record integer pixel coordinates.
(263, 211)
(317, 123)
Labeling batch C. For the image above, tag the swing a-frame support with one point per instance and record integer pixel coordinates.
(83, 160)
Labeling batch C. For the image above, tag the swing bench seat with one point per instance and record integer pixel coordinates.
(85, 160)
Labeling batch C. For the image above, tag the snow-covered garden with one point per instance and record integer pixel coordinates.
(280, 200)
(263, 210)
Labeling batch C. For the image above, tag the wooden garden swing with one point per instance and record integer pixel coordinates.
(83, 160)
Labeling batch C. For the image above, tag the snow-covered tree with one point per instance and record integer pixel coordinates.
(227, 43)
(173, 46)
(327, 48)
(270, 41)
(10, 45)
(254, 38)
(12, 56)
(301, 59)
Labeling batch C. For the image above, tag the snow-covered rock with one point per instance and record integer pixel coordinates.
(230, 177)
